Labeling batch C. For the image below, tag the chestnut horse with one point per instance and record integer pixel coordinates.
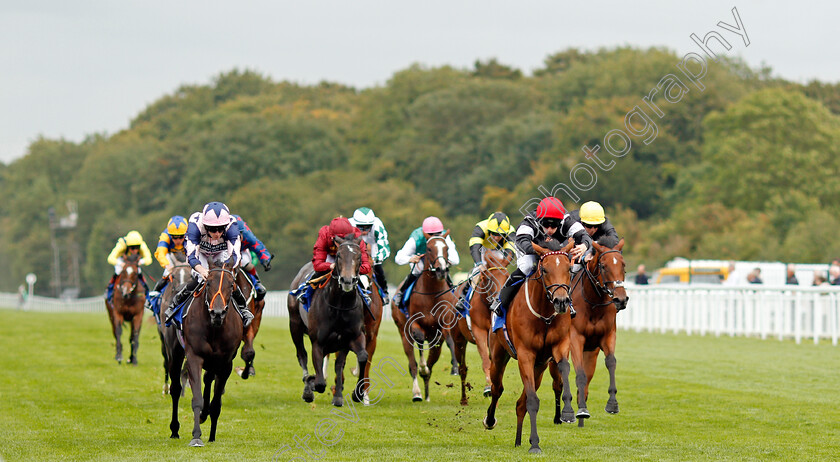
(538, 325)
(334, 323)
(598, 294)
(212, 334)
(256, 307)
(486, 287)
(126, 305)
(431, 313)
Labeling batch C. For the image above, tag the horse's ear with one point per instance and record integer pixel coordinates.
(427, 235)
(508, 258)
(598, 247)
(620, 244)
(445, 234)
(540, 250)
(338, 240)
(569, 246)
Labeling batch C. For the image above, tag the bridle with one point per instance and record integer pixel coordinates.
(444, 263)
(218, 292)
(602, 288)
(353, 248)
(549, 289)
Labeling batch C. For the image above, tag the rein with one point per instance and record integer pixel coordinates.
(218, 292)
(600, 288)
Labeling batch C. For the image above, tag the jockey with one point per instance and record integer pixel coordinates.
(376, 238)
(131, 244)
(325, 249)
(548, 226)
(211, 237)
(170, 242)
(250, 242)
(493, 233)
(415, 247)
(591, 216)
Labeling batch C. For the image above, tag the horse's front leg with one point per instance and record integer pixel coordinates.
(174, 373)
(359, 346)
(208, 383)
(434, 355)
(578, 359)
(532, 401)
(136, 324)
(222, 376)
(320, 384)
(340, 361)
(194, 366)
(116, 326)
(499, 359)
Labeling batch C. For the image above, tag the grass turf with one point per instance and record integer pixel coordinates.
(63, 397)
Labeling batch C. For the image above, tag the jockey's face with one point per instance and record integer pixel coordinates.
(590, 229)
(215, 232)
(497, 238)
(177, 239)
(133, 249)
(365, 228)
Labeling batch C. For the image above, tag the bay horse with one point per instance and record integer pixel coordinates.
(211, 339)
(431, 313)
(256, 307)
(335, 323)
(539, 325)
(598, 294)
(126, 305)
(485, 288)
(179, 276)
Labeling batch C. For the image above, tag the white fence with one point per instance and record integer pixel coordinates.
(275, 304)
(781, 311)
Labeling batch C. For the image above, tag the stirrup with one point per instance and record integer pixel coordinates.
(496, 307)
(397, 298)
(247, 317)
(461, 305)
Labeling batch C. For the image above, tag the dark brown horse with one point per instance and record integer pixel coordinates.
(335, 323)
(178, 277)
(431, 313)
(486, 287)
(539, 327)
(598, 294)
(212, 332)
(256, 307)
(126, 305)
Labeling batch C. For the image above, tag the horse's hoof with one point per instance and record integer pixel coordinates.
(535, 450)
(338, 401)
(454, 371)
(582, 413)
(251, 371)
(417, 398)
(308, 396)
(320, 387)
(567, 417)
(174, 436)
(355, 372)
(464, 402)
(488, 426)
(197, 443)
(612, 408)
(487, 391)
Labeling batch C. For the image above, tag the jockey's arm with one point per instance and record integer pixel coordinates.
(117, 252)
(476, 241)
(365, 266)
(320, 251)
(146, 255)
(404, 255)
(162, 250)
(454, 258)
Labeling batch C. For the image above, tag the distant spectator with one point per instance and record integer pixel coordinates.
(755, 276)
(819, 279)
(641, 277)
(834, 275)
(791, 275)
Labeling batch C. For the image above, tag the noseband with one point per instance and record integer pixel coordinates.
(602, 288)
(218, 292)
(549, 289)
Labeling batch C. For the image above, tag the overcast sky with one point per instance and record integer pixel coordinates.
(73, 68)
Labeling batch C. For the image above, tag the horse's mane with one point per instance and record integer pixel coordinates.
(553, 245)
(608, 241)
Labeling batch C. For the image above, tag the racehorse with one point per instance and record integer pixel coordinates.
(598, 294)
(335, 323)
(248, 351)
(126, 305)
(431, 313)
(486, 288)
(179, 276)
(211, 339)
(538, 325)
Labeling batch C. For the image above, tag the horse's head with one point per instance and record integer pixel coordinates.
(492, 280)
(609, 272)
(128, 277)
(218, 292)
(437, 255)
(348, 260)
(554, 272)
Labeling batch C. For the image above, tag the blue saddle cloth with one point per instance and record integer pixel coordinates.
(307, 290)
(154, 303)
(467, 298)
(406, 296)
(180, 312)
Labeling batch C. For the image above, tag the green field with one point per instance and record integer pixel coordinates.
(62, 397)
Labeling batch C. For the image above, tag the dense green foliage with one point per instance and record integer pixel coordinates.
(681, 398)
(744, 169)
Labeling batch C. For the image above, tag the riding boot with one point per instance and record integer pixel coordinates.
(461, 305)
(258, 287)
(379, 275)
(160, 285)
(109, 292)
(508, 292)
(407, 282)
(242, 306)
(142, 279)
(179, 298)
